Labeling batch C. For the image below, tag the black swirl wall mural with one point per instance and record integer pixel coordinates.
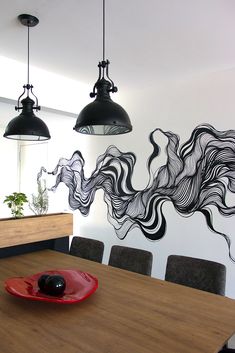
(197, 175)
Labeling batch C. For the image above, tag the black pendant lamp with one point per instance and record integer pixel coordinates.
(103, 116)
(27, 126)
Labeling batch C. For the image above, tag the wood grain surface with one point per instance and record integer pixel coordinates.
(129, 313)
(34, 228)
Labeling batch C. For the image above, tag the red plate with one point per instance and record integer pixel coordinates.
(79, 286)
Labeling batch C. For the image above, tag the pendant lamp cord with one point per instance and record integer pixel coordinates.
(28, 63)
(28, 56)
(103, 30)
(104, 63)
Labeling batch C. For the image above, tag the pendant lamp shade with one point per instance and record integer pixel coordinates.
(27, 126)
(103, 116)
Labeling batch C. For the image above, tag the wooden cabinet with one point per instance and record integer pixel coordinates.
(18, 231)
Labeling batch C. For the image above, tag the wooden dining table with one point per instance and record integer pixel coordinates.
(128, 313)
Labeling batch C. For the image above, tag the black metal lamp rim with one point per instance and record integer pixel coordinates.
(28, 20)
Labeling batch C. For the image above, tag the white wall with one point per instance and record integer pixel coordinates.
(9, 176)
(176, 106)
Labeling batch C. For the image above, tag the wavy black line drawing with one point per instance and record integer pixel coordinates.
(197, 175)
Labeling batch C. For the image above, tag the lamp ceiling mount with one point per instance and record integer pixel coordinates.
(28, 20)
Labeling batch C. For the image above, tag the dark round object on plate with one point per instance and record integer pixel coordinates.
(41, 281)
(54, 285)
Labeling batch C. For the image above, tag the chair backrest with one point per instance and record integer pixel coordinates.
(201, 274)
(90, 249)
(131, 259)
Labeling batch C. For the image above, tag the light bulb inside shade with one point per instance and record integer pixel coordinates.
(26, 137)
(102, 130)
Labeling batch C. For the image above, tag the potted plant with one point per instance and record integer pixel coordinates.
(40, 202)
(29, 229)
(15, 202)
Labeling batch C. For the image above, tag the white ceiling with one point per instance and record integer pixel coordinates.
(147, 41)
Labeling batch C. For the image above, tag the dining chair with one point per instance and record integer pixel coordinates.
(131, 259)
(197, 273)
(87, 248)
